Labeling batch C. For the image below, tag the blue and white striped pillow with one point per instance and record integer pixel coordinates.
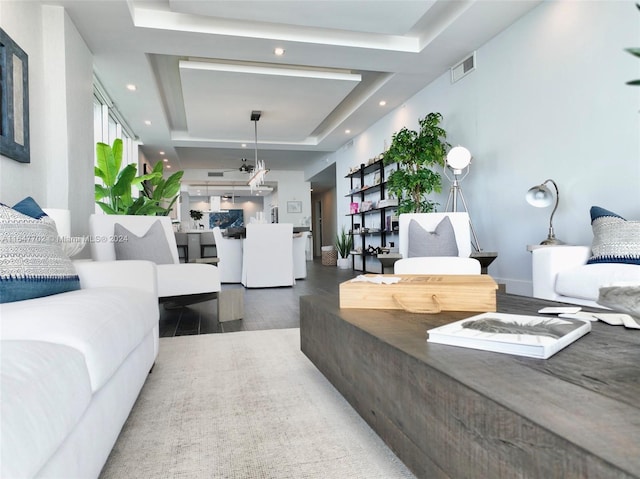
(32, 263)
(615, 240)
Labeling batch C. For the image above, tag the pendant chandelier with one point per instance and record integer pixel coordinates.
(259, 171)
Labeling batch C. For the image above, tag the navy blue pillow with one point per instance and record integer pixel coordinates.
(615, 240)
(29, 207)
(32, 263)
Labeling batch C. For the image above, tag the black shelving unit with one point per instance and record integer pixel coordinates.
(364, 186)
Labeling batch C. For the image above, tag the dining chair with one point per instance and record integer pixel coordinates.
(267, 259)
(207, 244)
(229, 251)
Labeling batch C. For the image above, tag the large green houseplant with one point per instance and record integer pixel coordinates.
(114, 196)
(416, 153)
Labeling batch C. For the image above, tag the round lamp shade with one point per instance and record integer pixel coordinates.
(539, 196)
(458, 157)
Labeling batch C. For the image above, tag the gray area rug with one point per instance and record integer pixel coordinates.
(245, 405)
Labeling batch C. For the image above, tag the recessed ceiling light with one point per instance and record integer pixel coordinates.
(382, 103)
(147, 122)
(279, 51)
(165, 160)
(131, 87)
(347, 131)
(244, 145)
(168, 166)
(161, 152)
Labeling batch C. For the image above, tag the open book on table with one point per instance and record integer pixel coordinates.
(532, 336)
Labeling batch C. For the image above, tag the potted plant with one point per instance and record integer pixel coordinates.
(114, 196)
(416, 153)
(344, 245)
(196, 216)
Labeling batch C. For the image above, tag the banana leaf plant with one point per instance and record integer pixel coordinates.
(115, 196)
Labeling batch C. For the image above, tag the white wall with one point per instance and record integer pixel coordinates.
(60, 174)
(548, 100)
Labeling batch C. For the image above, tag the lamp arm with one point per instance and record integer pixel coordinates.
(556, 205)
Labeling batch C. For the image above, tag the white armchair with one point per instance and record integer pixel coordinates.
(229, 251)
(176, 281)
(268, 256)
(460, 264)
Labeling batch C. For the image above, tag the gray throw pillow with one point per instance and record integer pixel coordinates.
(152, 246)
(441, 242)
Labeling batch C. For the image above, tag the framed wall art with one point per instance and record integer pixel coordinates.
(14, 100)
(294, 206)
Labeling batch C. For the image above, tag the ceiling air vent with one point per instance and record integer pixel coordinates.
(463, 67)
(217, 174)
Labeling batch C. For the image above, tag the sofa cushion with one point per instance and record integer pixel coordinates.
(152, 246)
(32, 262)
(104, 324)
(584, 281)
(440, 242)
(45, 391)
(615, 240)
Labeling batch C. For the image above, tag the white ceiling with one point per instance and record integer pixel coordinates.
(201, 67)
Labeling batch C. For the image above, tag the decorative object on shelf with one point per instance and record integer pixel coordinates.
(353, 208)
(540, 196)
(259, 171)
(344, 245)
(387, 202)
(14, 93)
(459, 159)
(114, 194)
(415, 153)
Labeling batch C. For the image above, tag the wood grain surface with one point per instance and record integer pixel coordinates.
(461, 413)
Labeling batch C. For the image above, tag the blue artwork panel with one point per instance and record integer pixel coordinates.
(227, 219)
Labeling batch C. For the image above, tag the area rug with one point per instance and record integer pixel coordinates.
(245, 405)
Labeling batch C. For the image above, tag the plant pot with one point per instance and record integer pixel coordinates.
(344, 263)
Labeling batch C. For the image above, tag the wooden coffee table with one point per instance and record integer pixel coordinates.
(457, 412)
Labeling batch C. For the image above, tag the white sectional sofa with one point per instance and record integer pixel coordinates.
(560, 273)
(72, 366)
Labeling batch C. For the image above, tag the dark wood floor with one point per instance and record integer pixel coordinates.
(264, 308)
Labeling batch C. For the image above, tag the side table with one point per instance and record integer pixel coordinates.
(485, 258)
(388, 260)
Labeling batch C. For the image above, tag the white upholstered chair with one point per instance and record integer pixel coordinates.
(179, 282)
(268, 256)
(229, 251)
(460, 264)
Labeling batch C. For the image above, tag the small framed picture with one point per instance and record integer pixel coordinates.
(376, 178)
(294, 206)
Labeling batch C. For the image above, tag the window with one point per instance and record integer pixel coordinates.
(108, 124)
